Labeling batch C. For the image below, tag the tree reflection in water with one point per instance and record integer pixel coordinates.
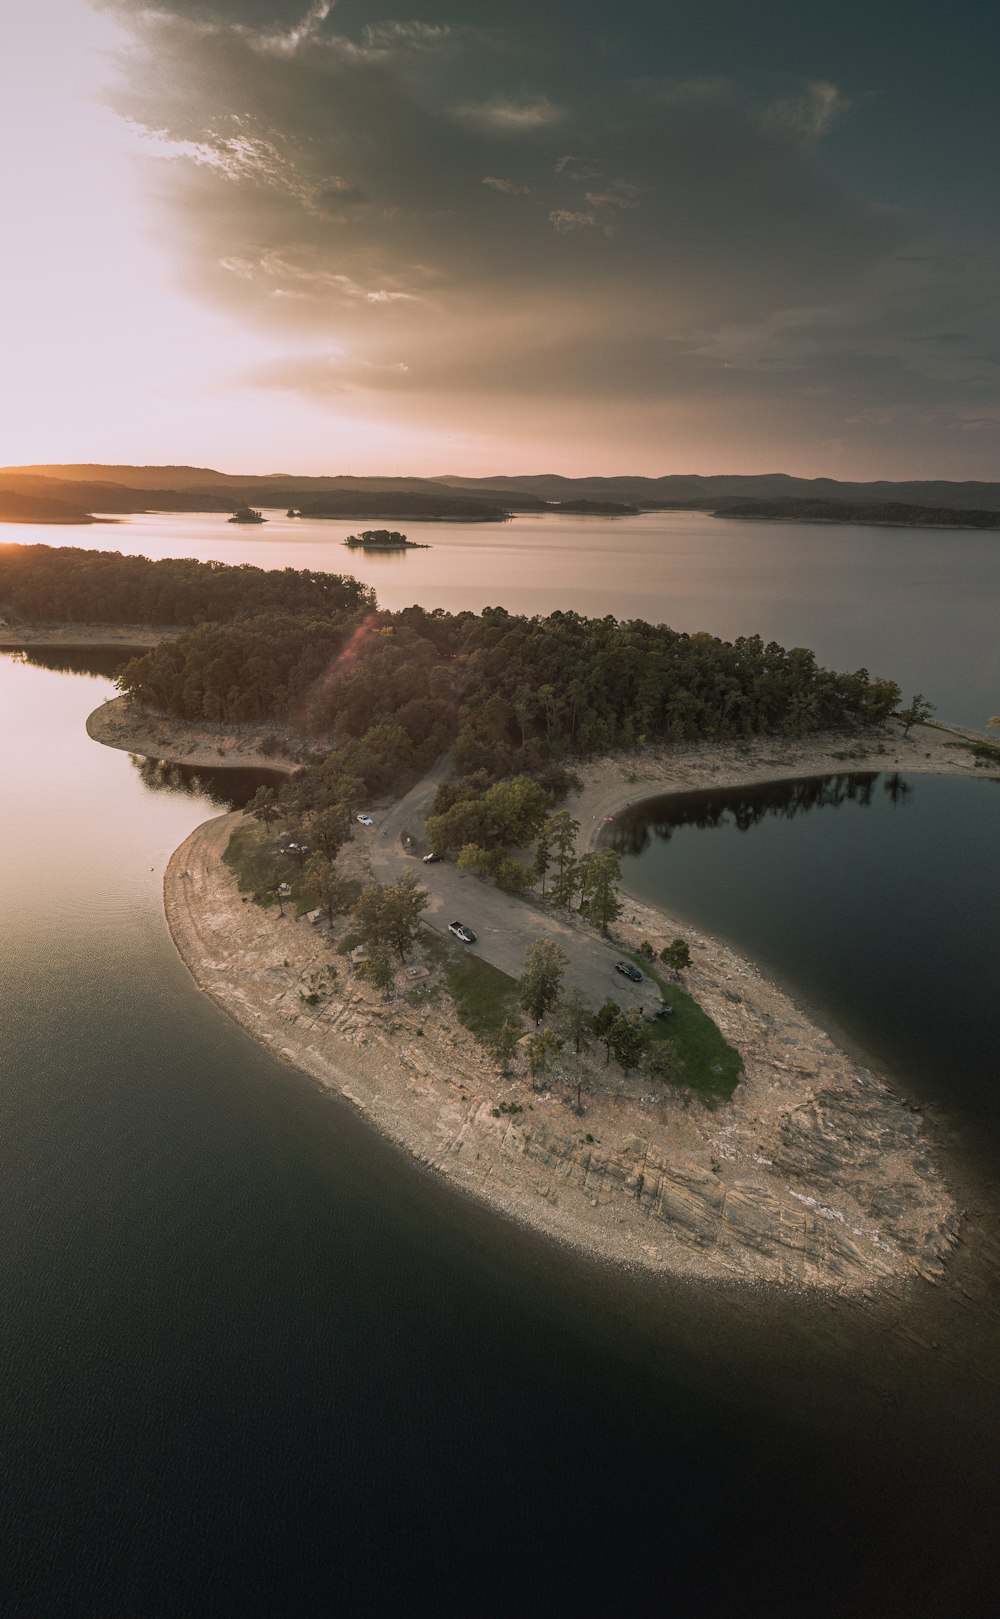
(744, 807)
(231, 788)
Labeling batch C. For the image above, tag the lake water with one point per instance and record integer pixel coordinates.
(920, 606)
(877, 896)
(256, 1362)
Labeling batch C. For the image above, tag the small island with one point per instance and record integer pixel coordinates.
(247, 514)
(383, 539)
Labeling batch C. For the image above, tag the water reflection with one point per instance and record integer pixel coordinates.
(105, 661)
(230, 787)
(745, 807)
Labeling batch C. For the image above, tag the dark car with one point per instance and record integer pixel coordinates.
(431, 859)
(465, 934)
(629, 971)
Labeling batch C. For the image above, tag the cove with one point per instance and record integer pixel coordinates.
(874, 896)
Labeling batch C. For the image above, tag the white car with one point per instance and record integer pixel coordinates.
(366, 820)
(462, 932)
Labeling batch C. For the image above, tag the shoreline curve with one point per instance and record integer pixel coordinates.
(815, 1177)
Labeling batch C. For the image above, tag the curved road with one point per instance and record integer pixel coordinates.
(504, 925)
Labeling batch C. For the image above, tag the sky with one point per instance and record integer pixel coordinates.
(537, 235)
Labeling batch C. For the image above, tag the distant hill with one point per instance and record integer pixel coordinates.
(16, 508)
(339, 496)
(203, 488)
(692, 490)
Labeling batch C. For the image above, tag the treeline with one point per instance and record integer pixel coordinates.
(41, 583)
(512, 695)
(16, 508)
(416, 506)
(898, 514)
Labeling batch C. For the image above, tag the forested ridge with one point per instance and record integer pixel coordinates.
(899, 514)
(387, 692)
(511, 694)
(42, 583)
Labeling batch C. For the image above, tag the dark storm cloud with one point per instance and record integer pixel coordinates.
(478, 202)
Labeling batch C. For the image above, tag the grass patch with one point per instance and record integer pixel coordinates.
(706, 1062)
(984, 753)
(485, 998)
(246, 857)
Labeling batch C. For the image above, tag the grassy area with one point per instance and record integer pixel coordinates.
(254, 855)
(984, 753)
(245, 855)
(484, 996)
(705, 1061)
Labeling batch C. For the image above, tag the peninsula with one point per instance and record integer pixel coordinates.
(683, 1142)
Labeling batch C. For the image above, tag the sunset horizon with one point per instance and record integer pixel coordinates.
(337, 237)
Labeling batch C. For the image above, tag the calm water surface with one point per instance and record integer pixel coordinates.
(877, 896)
(253, 1361)
(920, 606)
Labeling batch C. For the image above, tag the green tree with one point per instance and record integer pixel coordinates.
(544, 965)
(389, 915)
(263, 806)
(563, 832)
(542, 1048)
(601, 871)
(603, 1023)
(505, 1045)
(329, 829)
(918, 711)
(575, 1018)
(327, 887)
(473, 857)
(513, 876)
(565, 884)
(543, 855)
(628, 1039)
(677, 954)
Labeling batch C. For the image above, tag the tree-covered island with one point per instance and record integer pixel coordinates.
(515, 703)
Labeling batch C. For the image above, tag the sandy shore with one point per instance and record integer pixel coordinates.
(814, 1176)
(120, 723)
(17, 637)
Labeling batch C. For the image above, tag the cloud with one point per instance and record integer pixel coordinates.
(565, 219)
(507, 186)
(511, 114)
(812, 113)
(685, 239)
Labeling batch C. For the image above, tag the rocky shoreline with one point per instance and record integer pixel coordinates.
(815, 1176)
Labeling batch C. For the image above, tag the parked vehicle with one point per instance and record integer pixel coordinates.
(431, 859)
(366, 820)
(629, 971)
(461, 932)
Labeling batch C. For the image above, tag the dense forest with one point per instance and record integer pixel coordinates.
(15, 508)
(42, 583)
(899, 514)
(416, 507)
(387, 692)
(512, 695)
